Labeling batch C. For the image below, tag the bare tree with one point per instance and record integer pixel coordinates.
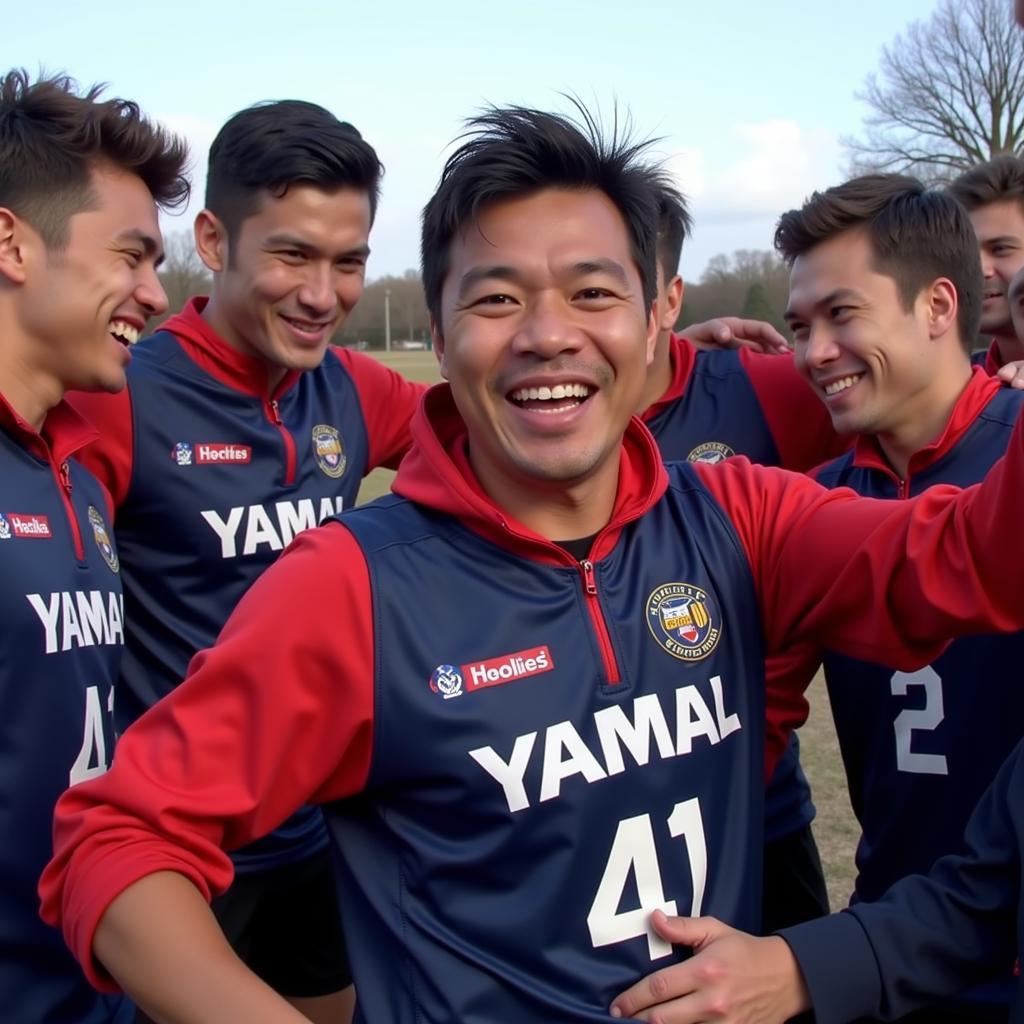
(182, 273)
(950, 95)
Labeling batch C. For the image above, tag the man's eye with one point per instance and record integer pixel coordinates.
(494, 300)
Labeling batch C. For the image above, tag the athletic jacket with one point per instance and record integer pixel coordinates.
(991, 359)
(61, 637)
(913, 742)
(211, 479)
(723, 403)
(930, 935)
(535, 751)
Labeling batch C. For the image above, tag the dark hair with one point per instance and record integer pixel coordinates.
(674, 226)
(51, 139)
(916, 235)
(990, 182)
(516, 151)
(271, 146)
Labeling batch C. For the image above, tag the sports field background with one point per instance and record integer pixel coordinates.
(835, 828)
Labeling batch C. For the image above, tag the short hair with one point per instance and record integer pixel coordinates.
(52, 138)
(268, 147)
(517, 151)
(674, 227)
(991, 182)
(916, 235)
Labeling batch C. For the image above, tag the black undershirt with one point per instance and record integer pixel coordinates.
(579, 548)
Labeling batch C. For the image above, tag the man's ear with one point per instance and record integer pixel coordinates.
(14, 240)
(943, 304)
(669, 313)
(212, 240)
(437, 339)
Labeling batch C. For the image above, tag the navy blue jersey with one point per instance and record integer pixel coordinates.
(660, 770)
(218, 480)
(920, 748)
(718, 414)
(62, 634)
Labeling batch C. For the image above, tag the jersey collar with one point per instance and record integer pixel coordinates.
(205, 347)
(64, 431)
(682, 356)
(980, 390)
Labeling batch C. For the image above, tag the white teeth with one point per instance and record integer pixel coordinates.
(545, 394)
(841, 385)
(124, 330)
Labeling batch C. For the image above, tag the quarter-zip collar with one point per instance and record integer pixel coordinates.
(980, 390)
(682, 356)
(205, 347)
(437, 473)
(64, 432)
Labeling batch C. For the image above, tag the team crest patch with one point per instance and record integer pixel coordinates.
(684, 620)
(5, 528)
(710, 451)
(182, 453)
(328, 451)
(447, 681)
(99, 531)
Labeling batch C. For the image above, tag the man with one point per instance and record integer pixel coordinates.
(993, 194)
(240, 427)
(528, 688)
(79, 245)
(884, 300)
(706, 406)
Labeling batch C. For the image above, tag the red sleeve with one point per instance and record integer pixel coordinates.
(388, 401)
(109, 457)
(798, 420)
(887, 581)
(213, 765)
(787, 676)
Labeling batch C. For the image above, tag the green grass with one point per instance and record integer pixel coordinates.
(835, 829)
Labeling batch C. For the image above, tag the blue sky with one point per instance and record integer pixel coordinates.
(748, 98)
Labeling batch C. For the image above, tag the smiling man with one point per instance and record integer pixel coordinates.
(79, 245)
(528, 688)
(241, 426)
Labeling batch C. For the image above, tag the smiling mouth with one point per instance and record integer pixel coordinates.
(558, 398)
(311, 327)
(837, 387)
(124, 332)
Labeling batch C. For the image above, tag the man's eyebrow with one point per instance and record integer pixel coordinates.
(1002, 240)
(150, 243)
(490, 272)
(603, 265)
(837, 295)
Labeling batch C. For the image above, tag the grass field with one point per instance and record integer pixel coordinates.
(835, 828)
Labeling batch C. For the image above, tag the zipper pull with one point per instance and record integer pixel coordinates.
(588, 576)
(65, 477)
(275, 412)
(901, 490)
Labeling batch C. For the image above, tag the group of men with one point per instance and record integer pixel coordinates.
(520, 713)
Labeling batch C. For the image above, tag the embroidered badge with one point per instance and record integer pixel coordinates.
(684, 620)
(99, 531)
(710, 451)
(328, 451)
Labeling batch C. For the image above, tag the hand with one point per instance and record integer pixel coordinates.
(734, 332)
(734, 978)
(1012, 374)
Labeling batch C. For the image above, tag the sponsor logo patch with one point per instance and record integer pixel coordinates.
(29, 527)
(5, 528)
(328, 450)
(684, 620)
(710, 451)
(99, 531)
(450, 681)
(182, 453)
(211, 453)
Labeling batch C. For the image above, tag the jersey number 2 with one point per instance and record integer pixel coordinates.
(633, 849)
(929, 717)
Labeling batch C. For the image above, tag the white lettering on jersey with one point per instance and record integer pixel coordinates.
(292, 518)
(628, 728)
(79, 619)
